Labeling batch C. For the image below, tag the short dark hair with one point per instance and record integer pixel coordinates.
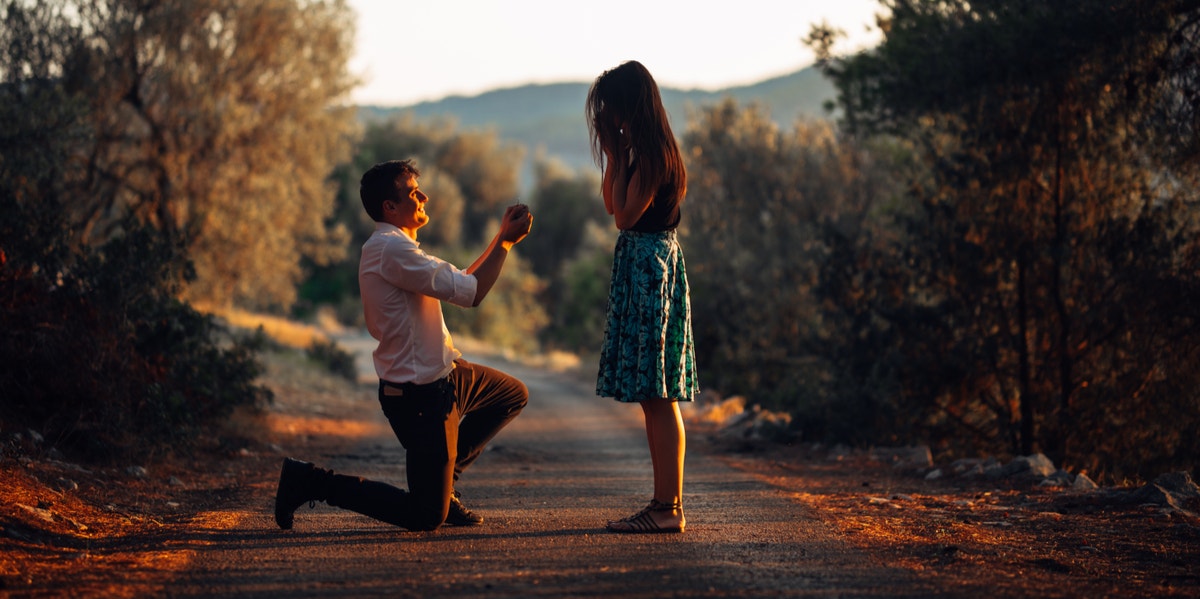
(380, 184)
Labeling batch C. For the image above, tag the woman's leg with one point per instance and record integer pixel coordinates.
(664, 430)
(647, 419)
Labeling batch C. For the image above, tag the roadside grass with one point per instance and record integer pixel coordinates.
(284, 331)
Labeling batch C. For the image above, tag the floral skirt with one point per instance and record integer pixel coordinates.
(648, 350)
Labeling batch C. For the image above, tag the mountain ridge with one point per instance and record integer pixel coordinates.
(547, 118)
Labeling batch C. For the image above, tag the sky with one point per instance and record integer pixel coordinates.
(408, 52)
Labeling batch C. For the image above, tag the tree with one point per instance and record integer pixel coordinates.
(567, 201)
(511, 319)
(98, 354)
(572, 251)
(463, 172)
(759, 203)
(215, 121)
(1054, 212)
(480, 163)
(486, 170)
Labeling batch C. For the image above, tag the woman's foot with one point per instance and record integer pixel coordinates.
(657, 517)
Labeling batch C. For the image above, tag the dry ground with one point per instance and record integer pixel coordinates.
(1014, 538)
(77, 530)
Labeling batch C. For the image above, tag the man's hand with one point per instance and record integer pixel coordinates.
(513, 228)
(516, 224)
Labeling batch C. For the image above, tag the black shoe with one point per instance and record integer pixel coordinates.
(298, 484)
(459, 515)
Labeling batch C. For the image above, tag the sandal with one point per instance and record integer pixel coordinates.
(643, 522)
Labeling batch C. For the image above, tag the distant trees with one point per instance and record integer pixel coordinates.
(215, 121)
(1049, 261)
(470, 176)
(572, 253)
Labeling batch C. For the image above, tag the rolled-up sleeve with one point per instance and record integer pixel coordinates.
(410, 269)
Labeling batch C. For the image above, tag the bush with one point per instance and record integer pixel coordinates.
(510, 317)
(337, 360)
(103, 359)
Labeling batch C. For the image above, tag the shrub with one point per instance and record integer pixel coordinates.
(335, 359)
(103, 359)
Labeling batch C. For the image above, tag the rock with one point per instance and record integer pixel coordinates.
(65, 484)
(973, 467)
(1036, 465)
(934, 474)
(758, 425)
(1083, 484)
(69, 466)
(1152, 494)
(1060, 478)
(909, 458)
(1174, 490)
(1178, 484)
(137, 471)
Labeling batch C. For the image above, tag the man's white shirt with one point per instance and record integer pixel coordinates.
(402, 291)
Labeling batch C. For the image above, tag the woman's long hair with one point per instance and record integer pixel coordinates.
(628, 94)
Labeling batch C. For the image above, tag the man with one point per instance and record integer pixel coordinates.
(443, 409)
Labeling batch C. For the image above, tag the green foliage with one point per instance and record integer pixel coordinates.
(571, 249)
(337, 360)
(510, 317)
(1046, 268)
(564, 204)
(469, 177)
(98, 354)
(215, 122)
(759, 203)
(578, 316)
(103, 360)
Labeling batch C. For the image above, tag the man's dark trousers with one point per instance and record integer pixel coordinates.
(444, 426)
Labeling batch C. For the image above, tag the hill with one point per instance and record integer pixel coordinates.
(549, 117)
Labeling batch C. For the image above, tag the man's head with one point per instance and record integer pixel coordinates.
(390, 194)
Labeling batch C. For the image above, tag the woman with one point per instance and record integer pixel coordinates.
(647, 356)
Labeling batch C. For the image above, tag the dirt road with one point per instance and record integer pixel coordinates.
(546, 486)
(764, 520)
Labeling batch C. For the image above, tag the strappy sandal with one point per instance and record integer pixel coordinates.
(643, 522)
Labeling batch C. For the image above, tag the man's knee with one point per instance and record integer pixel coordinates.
(522, 397)
(424, 518)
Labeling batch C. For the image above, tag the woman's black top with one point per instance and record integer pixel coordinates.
(663, 213)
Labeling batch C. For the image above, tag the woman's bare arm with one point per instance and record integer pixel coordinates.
(606, 187)
(630, 201)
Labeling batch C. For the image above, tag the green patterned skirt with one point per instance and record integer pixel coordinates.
(648, 349)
